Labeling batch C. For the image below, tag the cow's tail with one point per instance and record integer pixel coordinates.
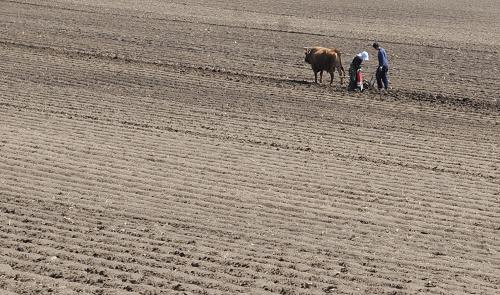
(340, 62)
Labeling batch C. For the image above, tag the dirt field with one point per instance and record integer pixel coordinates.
(179, 147)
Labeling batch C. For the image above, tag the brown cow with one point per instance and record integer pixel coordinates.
(324, 59)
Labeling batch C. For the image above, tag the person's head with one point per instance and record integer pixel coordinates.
(363, 55)
(376, 45)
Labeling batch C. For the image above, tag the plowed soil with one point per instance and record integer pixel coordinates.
(180, 147)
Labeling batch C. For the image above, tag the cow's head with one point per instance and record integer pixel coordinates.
(307, 57)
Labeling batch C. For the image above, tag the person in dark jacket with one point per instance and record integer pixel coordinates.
(383, 68)
(355, 72)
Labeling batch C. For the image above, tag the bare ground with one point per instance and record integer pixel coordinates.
(180, 148)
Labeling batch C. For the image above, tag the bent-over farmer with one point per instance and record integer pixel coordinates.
(355, 72)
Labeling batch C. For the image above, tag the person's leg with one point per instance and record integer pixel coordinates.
(384, 77)
(352, 85)
(378, 75)
(352, 79)
(359, 80)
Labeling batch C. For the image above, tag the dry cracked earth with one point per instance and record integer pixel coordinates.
(180, 147)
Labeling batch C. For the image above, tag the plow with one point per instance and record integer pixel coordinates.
(369, 84)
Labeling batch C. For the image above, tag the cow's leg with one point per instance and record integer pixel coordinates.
(320, 76)
(315, 76)
(331, 76)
